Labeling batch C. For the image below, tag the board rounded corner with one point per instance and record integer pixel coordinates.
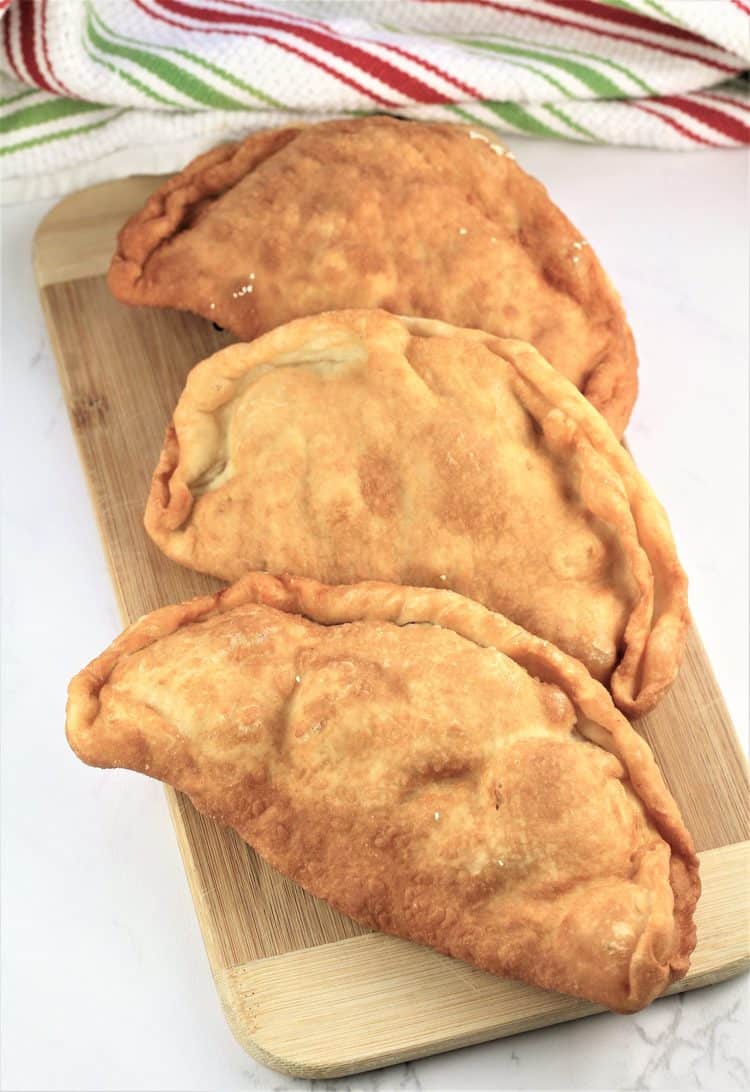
(240, 1019)
(94, 214)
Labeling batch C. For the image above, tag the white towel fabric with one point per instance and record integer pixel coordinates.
(92, 89)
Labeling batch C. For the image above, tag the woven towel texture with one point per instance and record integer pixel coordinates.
(156, 80)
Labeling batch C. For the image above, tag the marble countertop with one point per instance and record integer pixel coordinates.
(105, 984)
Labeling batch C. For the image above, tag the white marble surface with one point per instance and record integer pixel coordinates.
(104, 980)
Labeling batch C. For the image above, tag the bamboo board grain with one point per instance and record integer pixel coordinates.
(304, 989)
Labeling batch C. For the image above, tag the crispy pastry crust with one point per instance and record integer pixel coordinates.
(374, 212)
(643, 650)
(363, 867)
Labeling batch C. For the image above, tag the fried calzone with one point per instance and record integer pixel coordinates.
(427, 219)
(425, 765)
(358, 445)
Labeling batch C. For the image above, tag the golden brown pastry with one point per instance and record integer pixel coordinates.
(419, 218)
(426, 766)
(357, 445)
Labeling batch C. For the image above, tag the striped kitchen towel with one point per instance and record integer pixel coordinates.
(101, 88)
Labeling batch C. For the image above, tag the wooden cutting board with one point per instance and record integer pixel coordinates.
(305, 990)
